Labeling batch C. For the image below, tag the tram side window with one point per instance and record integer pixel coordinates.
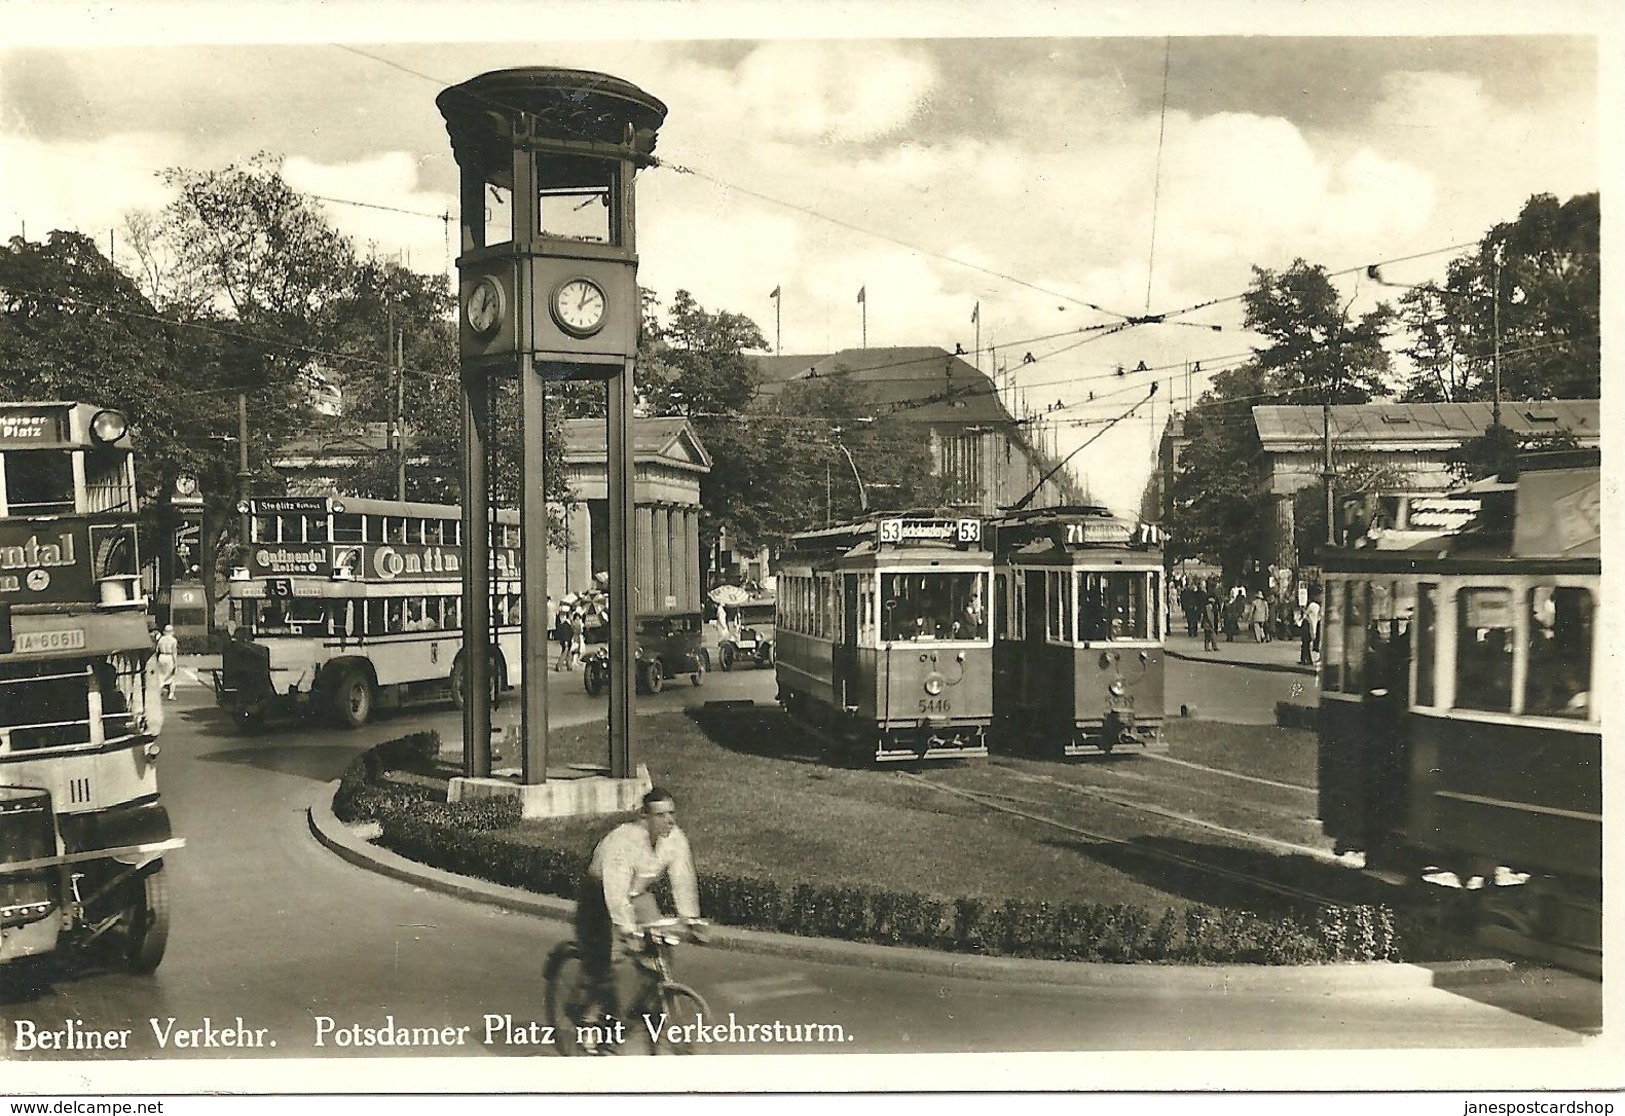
(1037, 606)
(1331, 637)
(1001, 605)
(1356, 614)
(866, 608)
(454, 613)
(1558, 683)
(38, 482)
(1484, 650)
(1427, 604)
(1058, 588)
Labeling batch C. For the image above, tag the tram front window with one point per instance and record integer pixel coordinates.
(1114, 606)
(1558, 682)
(933, 606)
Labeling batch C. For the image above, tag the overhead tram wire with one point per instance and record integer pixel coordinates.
(1127, 320)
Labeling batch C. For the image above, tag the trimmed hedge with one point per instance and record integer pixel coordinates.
(468, 838)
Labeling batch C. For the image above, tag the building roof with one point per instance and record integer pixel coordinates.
(670, 439)
(954, 391)
(1422, 426)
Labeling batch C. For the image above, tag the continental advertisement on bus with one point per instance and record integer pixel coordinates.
(45, 563)
(370, 561)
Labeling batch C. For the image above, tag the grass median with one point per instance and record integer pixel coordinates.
(786, 840)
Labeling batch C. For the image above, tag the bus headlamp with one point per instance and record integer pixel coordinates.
(108, 426)
(1116, 688)
(933, 685)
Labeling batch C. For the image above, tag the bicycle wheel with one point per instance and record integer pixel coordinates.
(568, 995)
(684, 1008)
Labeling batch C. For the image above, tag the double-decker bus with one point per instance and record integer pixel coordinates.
(349, 605)
(82, 831)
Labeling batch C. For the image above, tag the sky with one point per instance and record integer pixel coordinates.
(1042, 171)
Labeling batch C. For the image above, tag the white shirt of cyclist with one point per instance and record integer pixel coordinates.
(628, 865)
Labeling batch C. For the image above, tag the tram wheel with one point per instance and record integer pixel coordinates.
(352, 700)
(146, 921)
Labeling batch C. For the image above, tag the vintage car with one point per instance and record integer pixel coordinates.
(750, 635)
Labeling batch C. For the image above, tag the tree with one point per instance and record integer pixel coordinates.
(1546, 292)
(246, 272)
(1313, 356)
(73, 326)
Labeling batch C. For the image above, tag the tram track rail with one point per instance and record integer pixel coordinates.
(999, 804)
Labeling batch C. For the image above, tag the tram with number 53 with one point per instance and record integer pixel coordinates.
(82, 829)
(883, 644)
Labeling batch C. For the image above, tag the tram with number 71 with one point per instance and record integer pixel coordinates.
(1079, 611)
(82, 828)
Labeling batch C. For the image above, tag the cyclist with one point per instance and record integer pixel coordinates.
(615, 893)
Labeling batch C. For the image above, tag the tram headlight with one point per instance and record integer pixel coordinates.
(108, 426)
(933, 685)
(1116, 688)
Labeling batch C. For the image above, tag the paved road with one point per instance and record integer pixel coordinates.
(272, 928)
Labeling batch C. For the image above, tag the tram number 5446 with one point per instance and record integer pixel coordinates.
(936, 705)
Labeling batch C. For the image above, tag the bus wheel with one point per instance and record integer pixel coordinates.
(654, 676)
(146, 921)
(352, 700)
(456, 683)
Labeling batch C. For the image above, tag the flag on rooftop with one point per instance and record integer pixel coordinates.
(775, 293)
(976, 313)
(862, 291)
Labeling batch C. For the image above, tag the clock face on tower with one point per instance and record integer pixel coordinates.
(485, 306)
(579, 307)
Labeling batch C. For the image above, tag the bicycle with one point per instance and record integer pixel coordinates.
(663, 1009)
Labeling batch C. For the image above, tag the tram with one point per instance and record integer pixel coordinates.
(1078, 615)
(881, 636)
(1460, 732)
(82, 829)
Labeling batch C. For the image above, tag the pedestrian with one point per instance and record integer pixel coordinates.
(1233, 614)
(1190, 602)
(1258, 613)
(1309, 640)
(1209, 617)
(563, 634)
(169, 652)
(578, 640)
